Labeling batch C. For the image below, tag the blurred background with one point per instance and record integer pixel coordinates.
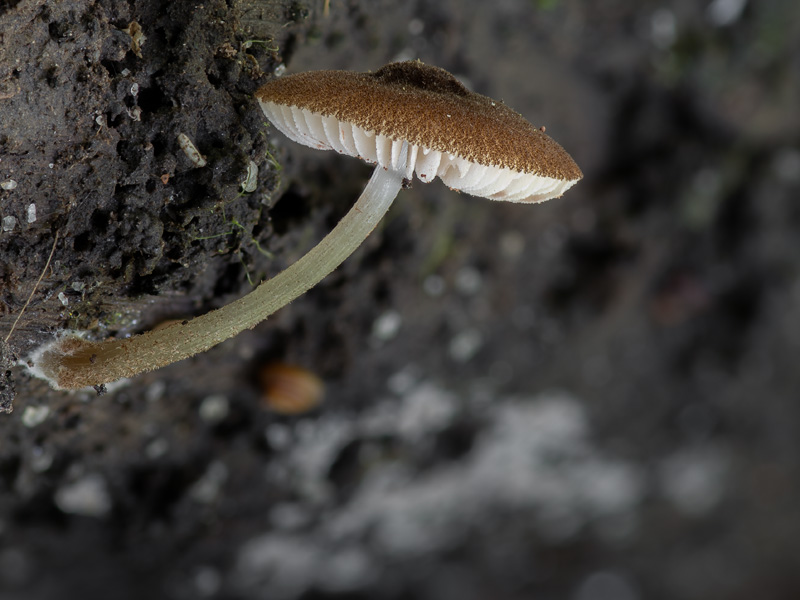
(592, 399)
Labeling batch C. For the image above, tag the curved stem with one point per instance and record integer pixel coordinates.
(71, 362)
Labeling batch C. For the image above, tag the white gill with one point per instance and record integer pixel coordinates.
(329, 133)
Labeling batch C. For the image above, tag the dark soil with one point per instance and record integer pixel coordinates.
(594, 398)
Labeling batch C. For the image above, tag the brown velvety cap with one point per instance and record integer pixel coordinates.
(427, 106)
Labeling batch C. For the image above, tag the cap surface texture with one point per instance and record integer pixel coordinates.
(473, 143)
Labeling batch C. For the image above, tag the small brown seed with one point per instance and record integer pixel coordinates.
(290, 389)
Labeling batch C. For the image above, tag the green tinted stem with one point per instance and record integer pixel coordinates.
(71, 362)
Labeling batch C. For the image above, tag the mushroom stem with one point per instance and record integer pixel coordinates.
(71, 362)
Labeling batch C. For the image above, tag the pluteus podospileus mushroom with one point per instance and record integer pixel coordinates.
(407, 118)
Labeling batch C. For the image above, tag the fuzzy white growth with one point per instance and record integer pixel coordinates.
(329, 133)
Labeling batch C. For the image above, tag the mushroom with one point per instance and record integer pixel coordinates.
(407, 118)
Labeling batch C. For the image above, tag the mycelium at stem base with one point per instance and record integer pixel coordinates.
(71, 362)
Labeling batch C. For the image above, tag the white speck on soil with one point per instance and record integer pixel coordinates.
(34, 415)
(207, 581)
(469, 281)
(206, 489)
(292, 564)
(250, 182)
(278, 436)
(289, 516)
(512, 244)
(465, 345)
(786, 165)
(416, 26)
(434, 285)
(40, 459)
(157, 448)
(87, 496)
(695, 479)
(387, 326)
(722, 13)
(404, 380)
(214, 409)
(663, 28)
(425, 410)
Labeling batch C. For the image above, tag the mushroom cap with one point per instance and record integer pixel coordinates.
(473, 143)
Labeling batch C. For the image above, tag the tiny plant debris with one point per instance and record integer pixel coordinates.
(137, 37)
(191, 151)
(407, 118)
